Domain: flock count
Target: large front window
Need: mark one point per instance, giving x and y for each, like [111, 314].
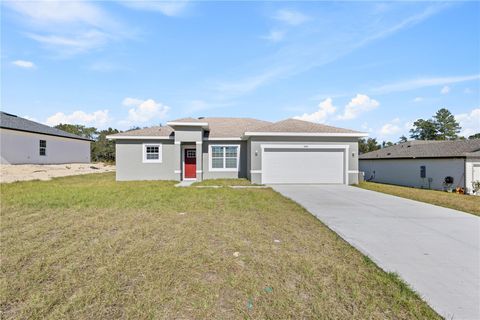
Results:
[224, 157]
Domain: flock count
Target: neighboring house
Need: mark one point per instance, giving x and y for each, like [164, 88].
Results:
[27, 142]
[425, 164]
[289, 151]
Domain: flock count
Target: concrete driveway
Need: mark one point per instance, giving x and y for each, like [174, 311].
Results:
[436, 250]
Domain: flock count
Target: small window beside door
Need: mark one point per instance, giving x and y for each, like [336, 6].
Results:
[43, 148]
[152, 153]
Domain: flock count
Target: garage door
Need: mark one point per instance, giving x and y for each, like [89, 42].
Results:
[293, 165]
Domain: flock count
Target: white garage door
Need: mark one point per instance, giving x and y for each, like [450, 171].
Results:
[292, 165]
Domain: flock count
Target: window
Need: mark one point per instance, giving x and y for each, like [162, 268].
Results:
[152, 153]
[43, 147]
[423, 172]
[224, 157]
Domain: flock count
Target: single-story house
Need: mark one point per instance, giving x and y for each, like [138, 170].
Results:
[27, 142]
[425, 164]
[289, 151]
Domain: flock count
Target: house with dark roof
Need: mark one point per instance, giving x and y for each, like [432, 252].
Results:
[436, 165]
[23, 141]
[289, 151]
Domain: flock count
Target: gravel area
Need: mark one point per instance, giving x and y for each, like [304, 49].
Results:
[23, 172]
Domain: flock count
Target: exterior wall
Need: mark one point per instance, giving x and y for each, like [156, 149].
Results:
[19, 147]
[255, 152]
[406, 172]
[242, 173]
[188, 134]
[472, 173]
[130, 165]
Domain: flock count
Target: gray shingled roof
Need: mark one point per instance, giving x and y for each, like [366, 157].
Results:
[425, 149]
[157, 131]
[231, 127]
[236, 127]
[295, 125]
[217, 127]
[13, 122]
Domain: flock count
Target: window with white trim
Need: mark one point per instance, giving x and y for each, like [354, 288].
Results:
[152, 153]
[43, 147]
[224, 157]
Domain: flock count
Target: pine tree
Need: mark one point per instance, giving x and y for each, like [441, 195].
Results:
[446, 127]
[423, 130]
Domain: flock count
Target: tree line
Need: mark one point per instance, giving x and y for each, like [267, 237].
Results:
[442, 126]
[102, 149]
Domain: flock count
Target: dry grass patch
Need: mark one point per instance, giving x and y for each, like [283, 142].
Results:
[466, 203]
[88, 247]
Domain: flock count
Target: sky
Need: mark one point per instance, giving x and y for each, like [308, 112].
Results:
[370, 66]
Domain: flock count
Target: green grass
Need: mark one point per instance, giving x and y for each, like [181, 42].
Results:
[224, 182]
[87, 247]
[466, 203]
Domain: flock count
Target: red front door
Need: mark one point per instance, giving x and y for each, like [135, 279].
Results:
[190, 163]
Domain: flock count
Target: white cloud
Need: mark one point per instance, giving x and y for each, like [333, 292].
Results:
[59, 12]
[333, 40]
[291, 17]
[325, 109]
[74, 43]
[144, 110]
[97, 119]
[445, 90]
[414, 84]
[418, 99]
[131, 102]
[168, 8]
[66, 27]
[470, 122]
[390, 128]
[275, 36]
[359, 104]
[248, 84]
[24, 64]
[468, 91]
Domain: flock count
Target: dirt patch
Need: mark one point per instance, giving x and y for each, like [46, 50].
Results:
[23, 172]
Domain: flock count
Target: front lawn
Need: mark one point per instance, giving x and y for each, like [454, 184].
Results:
[466, 203]
[88, 247]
